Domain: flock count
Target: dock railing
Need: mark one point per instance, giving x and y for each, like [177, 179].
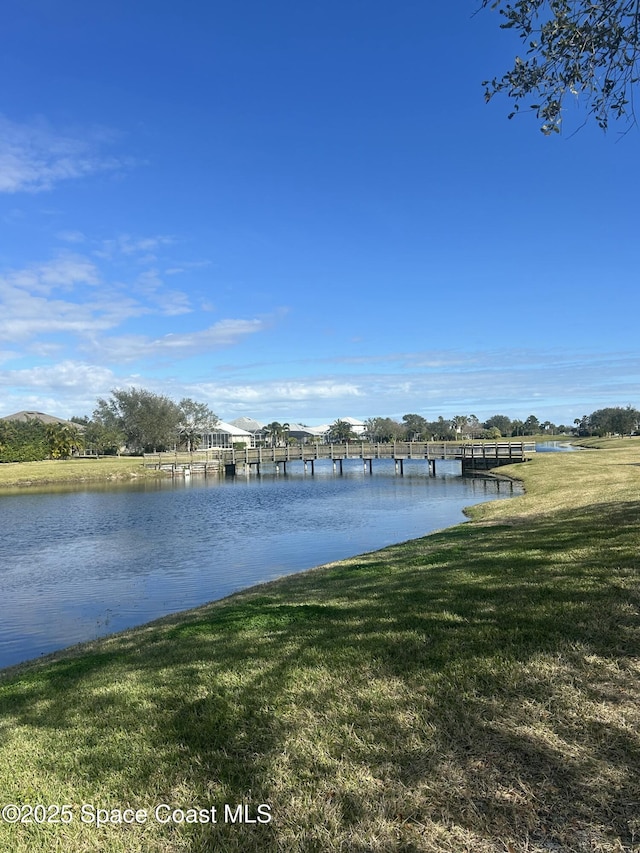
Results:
[515, 451]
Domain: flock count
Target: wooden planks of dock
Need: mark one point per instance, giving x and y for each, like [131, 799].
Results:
[473, 455]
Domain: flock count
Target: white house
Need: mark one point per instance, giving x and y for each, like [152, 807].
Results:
[250, 432]
[225, 435]
[357, 427]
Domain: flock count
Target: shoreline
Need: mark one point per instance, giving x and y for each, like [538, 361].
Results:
[472, 689]
[472, 513]
[18, 476]
[79, 470]
[80, 647]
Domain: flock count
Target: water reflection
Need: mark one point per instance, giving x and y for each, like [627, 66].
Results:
[555, 447]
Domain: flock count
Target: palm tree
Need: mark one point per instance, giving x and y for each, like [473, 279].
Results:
[473, 424]
[76, 436]
[273, 431]
[341, 431]
[459, 423]
[61, 440]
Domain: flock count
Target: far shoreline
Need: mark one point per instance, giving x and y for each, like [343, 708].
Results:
[18, 476]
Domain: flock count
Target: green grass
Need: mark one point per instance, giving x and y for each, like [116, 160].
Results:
[474, 690]
[61, 471]
[599, 443]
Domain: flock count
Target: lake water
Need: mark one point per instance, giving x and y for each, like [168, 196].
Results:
[556, 447]
[78, 564]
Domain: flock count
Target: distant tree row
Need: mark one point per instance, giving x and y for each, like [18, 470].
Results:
[138, 420]
[143, 421]
[32, 440]
[610, 421]
[417, 428]
[134, 419]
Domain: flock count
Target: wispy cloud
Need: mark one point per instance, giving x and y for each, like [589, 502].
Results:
[75, 305]
[286, 391]
[151, 287]
[72, 294]
[143, 249]
[64, 272]
[186, 266]
[8, 355]
[454, 383]
[68, 388]
[128, 253]
[72, 386]
[71, 236]
[35, 300]
[224, 333]
[64, 375]
[34, 156]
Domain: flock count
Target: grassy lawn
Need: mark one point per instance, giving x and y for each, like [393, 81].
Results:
[60, 471]
[594, 441]
[474, 690]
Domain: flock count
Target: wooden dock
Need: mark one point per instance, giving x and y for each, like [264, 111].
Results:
[474, 456]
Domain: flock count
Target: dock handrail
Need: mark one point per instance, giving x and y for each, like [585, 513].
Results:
[512, 450]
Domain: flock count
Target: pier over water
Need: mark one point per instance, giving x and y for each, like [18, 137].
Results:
[474, 456]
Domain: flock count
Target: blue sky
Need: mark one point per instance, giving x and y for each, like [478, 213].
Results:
[302, 211]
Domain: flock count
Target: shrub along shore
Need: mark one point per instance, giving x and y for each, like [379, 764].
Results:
[473, 690]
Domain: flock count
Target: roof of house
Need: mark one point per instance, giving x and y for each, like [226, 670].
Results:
[250, 424]
[319, 430]
[37, 416]
[301, 428]
[231, 429]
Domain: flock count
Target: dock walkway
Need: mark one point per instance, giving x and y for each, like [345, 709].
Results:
[474, 456]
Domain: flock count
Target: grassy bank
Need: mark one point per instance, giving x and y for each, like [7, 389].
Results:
[474, 690]
[600, 443]
[61, 471]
